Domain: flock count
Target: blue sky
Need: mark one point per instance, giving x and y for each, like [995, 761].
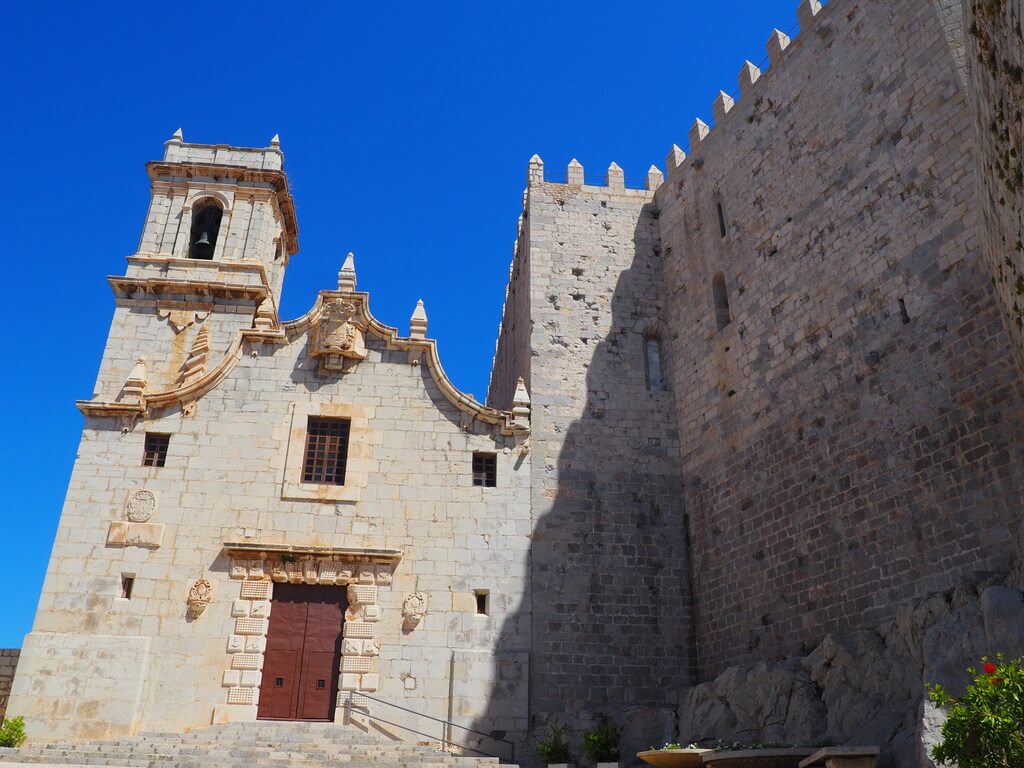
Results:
[406, 131]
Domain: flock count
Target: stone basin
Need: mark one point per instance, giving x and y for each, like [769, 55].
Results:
[785, 757]
[673, 758]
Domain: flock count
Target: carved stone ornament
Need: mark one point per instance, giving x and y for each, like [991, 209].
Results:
[180, 319]
[140, 505]
[414, 608]
[336, 335]
[199, 596]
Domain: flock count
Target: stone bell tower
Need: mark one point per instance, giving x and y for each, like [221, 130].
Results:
[211, 260]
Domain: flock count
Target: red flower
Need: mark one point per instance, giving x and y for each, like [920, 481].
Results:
[990, 668]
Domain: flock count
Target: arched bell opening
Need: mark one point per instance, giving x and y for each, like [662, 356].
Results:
[205, 228]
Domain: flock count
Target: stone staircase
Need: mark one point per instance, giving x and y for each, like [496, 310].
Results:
[260, 744]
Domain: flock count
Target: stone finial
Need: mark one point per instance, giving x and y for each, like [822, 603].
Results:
[535, 170]
[275, 141]
[806, 12]
[347, 273]
[195, 363]
[135, 385]
[615, 178]
[176, 138]
[777, 43]
[697, 132]
[675, 158]
[721, 106]
[654, 177]
[521, 403]
[749, 74]
[418, 322]
[574, 174]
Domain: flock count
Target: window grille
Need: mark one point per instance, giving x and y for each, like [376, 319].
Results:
[485, 469]
[326, 451]
[155, 450]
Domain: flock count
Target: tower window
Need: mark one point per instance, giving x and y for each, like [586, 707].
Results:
[482, 602]
[155, 451]
[485, 469]
[721, 217]
[326, 451]
[205, 228]
[721, 297]
[652, 363]
[127, 585]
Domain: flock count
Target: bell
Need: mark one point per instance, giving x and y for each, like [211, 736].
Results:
[201, 248]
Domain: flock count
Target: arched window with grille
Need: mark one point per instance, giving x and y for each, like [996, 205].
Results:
[652, 363]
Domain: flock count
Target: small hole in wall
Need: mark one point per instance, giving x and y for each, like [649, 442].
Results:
[903, 312]
[482, 603]
[721, 218]
[127, 585]
[604, 203]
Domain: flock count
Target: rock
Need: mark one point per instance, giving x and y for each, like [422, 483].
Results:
[643, 728]
[1002, 612]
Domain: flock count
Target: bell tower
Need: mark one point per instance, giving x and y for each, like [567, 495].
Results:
[211, 260]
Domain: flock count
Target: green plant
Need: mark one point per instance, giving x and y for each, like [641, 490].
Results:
[554, 748]
[739, 745]
[12, 732]
[985, 727]
[602, 741]
[674, 745]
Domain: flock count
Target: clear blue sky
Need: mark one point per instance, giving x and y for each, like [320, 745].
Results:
[406, 131]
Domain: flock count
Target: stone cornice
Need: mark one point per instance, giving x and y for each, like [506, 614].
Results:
[278, 549]
[127, 286]
[277, 180]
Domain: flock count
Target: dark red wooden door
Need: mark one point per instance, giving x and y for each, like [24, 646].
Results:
[300, 668]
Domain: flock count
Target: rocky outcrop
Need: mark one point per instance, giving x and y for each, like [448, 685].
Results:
[866, 686]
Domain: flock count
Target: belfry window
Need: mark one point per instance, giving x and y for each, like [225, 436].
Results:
[721, 297]
[205, 228]
[652, 363]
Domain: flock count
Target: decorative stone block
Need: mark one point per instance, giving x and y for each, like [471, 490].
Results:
[247, 661]
[235, 643]
[232, 677]
[242, 695]
[361, 593]
[278, 572]
[371, 613]
[255, 644]
[139, 505]
[240, 608]
[327, 572]
[256, 590]
[367, 574]
[369, 682]
[384, 575]
[250, 626]
[239, 568]
[251, 678]
[255, 569]
[294, 571]
[260, 609]
[358, 629]
[356, 663]
[371, 647]
[350, 681]
[309, 571]
[352, 647]
[124, 534]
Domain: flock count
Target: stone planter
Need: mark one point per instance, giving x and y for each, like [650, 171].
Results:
[561, 765]
[673, 758]
[787, 757]
[607, 765]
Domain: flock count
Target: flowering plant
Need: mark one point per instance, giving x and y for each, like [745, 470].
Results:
[985, 727]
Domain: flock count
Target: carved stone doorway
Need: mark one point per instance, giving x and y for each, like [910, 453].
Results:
[303, 655]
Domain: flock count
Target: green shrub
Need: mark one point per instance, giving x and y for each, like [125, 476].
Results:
[554, 748]
[602, 742]
[12, 732]
[985, 727]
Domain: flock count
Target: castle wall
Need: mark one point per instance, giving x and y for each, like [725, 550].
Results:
[97, 664]
[8, 663]
[851, 439]
[512, 352]
[995, 48]
[609, 566]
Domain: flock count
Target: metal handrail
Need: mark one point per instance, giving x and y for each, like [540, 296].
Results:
[445, 741]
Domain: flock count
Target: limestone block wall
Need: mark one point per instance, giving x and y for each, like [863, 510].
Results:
[98, 664]
[850, 439]
[609, 565]
[8, 663]
[512, 351]
[995, 46]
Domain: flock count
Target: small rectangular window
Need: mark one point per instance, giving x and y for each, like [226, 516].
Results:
[721, 218]
[485, 469]
[155, 451]
[652, 357]
[482, 607]
[127, 584]
[326, 451]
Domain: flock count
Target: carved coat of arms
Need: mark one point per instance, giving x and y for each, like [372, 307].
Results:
[336, 335]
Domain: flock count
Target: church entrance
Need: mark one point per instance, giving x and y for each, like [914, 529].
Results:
[303, 656]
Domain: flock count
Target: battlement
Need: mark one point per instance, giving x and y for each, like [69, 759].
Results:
[614, 179]
[177, 150]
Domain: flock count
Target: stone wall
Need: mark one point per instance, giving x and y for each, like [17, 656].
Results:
[8, 663]
[609, 566]
[995, 46]
[512, 351]
[851, 439]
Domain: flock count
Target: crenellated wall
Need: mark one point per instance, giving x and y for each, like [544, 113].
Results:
[851, 439]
